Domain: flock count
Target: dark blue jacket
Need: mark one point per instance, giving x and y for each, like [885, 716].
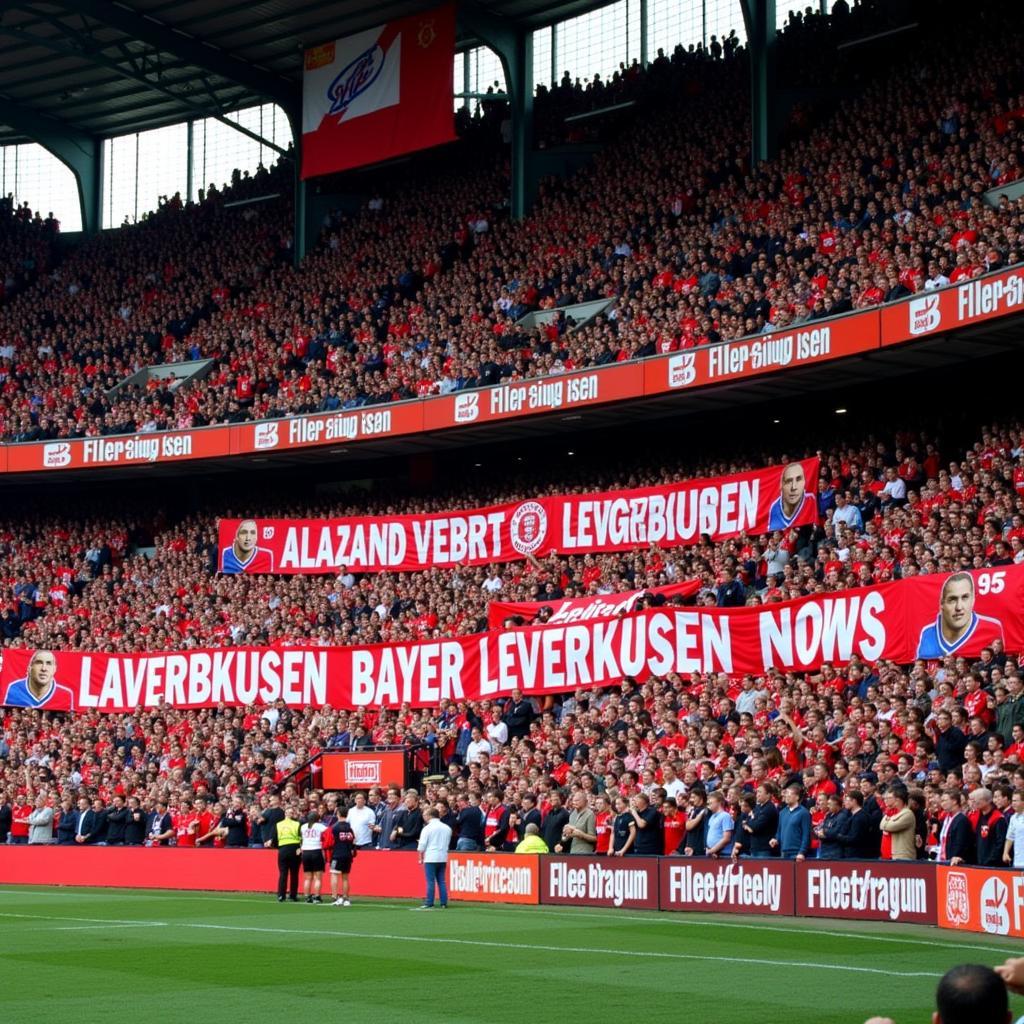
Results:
[857, 838]
[794, 831]
[764, 823]
[831, 828]
[67, 827]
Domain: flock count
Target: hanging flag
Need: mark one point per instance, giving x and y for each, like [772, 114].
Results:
[378, 94]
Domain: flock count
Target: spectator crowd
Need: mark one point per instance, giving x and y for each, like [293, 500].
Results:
[420, 291]
[856, 760]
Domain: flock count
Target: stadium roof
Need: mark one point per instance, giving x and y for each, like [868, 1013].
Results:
[107, 68]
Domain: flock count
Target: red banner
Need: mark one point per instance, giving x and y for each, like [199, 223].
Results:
[580, 609]
[867, 890]
[747, 887]
[924, 617]
[380, 93]
[748, 503]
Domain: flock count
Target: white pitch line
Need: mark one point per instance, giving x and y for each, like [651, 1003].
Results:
[100, 927]
[523, 946]
[98, 921]
[672, 918]
[667, 918]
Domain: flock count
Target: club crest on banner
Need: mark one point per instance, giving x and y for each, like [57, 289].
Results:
[528, 527]
[958, 908]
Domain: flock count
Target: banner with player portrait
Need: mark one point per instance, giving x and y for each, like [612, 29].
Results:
[580, 609]
[924, 617]
[755, 502]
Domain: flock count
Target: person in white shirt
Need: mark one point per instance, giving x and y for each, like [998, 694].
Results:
[673, 785]
[478, 745]
[497, 731]
[895, 489]
[1013, 848]
[432, 848]
[362, 819]
[312, 848]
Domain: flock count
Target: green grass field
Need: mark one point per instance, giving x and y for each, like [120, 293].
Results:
[110, 955]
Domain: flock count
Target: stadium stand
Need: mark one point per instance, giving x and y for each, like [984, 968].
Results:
[82, 583]
[419, 293]
[878, 199]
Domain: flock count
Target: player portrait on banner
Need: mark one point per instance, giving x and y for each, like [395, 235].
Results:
[244, 555]
[957, 622]
[789, 506]
[39, 688]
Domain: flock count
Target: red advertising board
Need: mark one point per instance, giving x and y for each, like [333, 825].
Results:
[765, 353]
[123, 450]
[334, 429]
[629, 883]
[981, 900]
[867, 890]
[359, 770]
[724, 887]
[559, 393]
[392, 874]
[965, 303]
[494, 877]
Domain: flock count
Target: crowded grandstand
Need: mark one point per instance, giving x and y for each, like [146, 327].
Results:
[893, 182]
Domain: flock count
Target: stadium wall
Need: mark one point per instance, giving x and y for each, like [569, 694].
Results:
[962, 899]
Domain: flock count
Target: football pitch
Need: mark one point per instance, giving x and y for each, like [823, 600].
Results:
[109, 955]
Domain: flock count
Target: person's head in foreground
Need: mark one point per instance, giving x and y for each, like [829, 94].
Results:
[971, 994]
[974, 994]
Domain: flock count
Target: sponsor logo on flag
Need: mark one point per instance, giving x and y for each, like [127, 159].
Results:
[355, 79]
[319, 56]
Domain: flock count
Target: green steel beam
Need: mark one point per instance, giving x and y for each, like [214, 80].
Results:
[166, 39]
[132, 67]
[759, 17]
[77, 150]
[514, 48]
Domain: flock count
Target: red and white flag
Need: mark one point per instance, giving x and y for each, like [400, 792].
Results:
[379, 93]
